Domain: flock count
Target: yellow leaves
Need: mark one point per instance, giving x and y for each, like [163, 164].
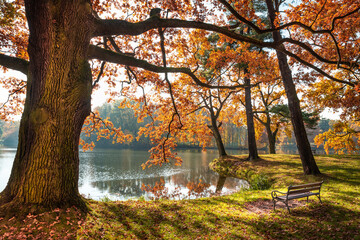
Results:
[343, 137]
[288, 132]
[321, 15]
[14, 103]
[158, 191]
[13, 29]
[102, 128]
[162, 153]
[326, 93]
[86, 146]
[197, 188]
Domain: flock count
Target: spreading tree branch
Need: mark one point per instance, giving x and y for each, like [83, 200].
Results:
[14, 63]
[119, 58]
[286, 25]
[122, 27]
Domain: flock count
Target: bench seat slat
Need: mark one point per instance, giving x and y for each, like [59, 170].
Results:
[295, 196]
[297, 191]
[303, 190]
[305, 185]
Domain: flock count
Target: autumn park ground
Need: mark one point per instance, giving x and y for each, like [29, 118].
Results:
[247, 214]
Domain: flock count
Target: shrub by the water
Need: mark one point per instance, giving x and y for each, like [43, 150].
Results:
[259, 182]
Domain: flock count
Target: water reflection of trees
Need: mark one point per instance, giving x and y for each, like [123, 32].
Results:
[132, 187]
[118, 172]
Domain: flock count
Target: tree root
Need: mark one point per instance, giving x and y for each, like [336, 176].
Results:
[17, 208]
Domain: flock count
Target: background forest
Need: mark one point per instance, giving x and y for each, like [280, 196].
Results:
[234, 137]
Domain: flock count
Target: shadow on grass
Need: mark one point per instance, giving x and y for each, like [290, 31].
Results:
[343, 175]
[318, 221]
[222, 218]
[153, 223]
[237, 216]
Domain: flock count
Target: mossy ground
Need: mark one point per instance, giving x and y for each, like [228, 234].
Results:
[243, 215]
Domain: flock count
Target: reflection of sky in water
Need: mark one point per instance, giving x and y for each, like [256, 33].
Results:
[117, 174]
[6, 159]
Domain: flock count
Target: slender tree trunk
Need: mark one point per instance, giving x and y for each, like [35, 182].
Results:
[220, 184]
[271, 139]
[218, 139]
[253, 154]
[46, 167]
[303, 145]
[221, 150]
[271, 135]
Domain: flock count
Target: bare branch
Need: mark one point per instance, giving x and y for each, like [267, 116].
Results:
[195, 110]
[284, 26]
[14, 63]
[11, 94]
[238, 16]
[162, 46]
[100, 74]
[257, 118]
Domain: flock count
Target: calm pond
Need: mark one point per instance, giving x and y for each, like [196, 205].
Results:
[117, 174]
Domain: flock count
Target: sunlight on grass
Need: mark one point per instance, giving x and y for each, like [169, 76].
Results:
[246, 214]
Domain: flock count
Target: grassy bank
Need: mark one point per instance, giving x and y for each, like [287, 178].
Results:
[244, 215]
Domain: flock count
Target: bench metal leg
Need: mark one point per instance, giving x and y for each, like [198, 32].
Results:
[274, 202]
[319, 198]
[287, 205]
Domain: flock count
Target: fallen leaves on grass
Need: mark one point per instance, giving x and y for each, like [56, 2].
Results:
[55, 224]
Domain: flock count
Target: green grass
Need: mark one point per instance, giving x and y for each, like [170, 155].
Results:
[243, 215]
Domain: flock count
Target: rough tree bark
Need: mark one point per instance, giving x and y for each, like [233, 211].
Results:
[253, 153]
[46, 167]
[303, 145]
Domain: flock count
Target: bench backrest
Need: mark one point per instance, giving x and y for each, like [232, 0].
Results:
[297, 189]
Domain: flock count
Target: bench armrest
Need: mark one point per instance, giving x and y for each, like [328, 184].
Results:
[274, 193]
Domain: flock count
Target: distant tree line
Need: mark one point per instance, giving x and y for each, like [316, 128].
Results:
[124, 118]
[234, 137]
[9, 133]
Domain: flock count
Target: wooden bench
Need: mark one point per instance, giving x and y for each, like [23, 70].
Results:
[297, 191]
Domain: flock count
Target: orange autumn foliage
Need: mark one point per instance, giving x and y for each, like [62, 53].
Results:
[329, 28]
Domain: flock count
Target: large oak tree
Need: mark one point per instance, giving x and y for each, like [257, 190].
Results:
[59, 78]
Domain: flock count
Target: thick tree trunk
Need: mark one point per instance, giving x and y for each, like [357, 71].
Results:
[303, 145]
[253, 153]
[46, 167]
